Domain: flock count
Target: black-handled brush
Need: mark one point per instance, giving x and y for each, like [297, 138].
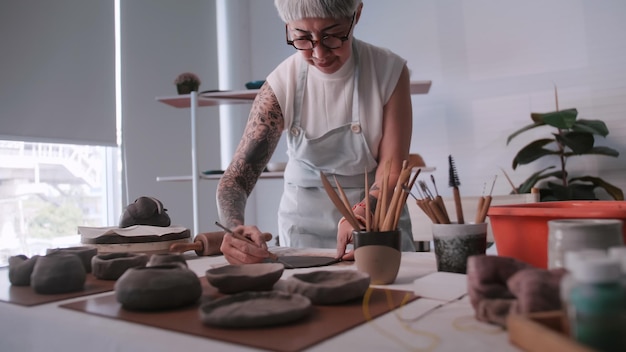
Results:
[455, 183]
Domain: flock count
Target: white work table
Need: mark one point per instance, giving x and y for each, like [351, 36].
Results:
[451, 327]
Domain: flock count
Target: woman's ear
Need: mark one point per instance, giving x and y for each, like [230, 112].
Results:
[358, 13]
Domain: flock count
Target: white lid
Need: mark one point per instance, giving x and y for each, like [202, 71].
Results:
[619, 254]
[597, 270]
[572, 257]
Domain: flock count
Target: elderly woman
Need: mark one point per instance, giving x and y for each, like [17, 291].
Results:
[345, 107]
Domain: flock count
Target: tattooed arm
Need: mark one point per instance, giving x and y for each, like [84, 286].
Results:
[259, 140]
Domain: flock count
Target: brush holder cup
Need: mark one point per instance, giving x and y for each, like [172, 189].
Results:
[455, 243]
[378, 254]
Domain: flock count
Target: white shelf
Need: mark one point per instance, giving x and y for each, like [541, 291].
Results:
[187, 178]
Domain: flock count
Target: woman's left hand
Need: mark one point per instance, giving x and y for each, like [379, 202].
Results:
[344, 237]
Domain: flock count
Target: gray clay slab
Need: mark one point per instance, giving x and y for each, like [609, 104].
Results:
[327, 287]
[255, 309]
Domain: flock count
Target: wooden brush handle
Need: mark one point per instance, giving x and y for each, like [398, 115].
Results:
[458, 206]
[479, 210]
[484, 209]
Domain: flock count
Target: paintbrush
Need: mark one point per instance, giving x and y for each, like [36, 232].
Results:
[455, 183]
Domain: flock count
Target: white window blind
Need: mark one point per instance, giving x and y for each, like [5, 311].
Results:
[57, 71]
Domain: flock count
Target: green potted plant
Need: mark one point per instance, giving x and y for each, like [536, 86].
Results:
[573, 137]
[187, 82]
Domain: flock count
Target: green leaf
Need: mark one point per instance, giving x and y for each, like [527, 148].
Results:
[532, 152]
[523, 129]
[604, 151]
[592, 126]
[537, 117]
[612, 190]
[563, 119]
[578, 142]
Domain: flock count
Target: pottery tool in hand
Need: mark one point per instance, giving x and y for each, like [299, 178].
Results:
[239, 236]
[455, 183]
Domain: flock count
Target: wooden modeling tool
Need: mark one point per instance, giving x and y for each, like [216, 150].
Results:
[455, 183]
[239, 236]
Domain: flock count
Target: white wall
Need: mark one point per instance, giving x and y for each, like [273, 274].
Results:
[492, 63]
[161, 39]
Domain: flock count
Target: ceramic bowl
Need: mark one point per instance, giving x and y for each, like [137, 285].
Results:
[276, 166]
[249, 277]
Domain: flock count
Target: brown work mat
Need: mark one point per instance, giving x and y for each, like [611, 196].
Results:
[26, 296]
[324, 322]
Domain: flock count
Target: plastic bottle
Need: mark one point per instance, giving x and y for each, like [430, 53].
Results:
[570, 260]
[597, 306]
[619, 254]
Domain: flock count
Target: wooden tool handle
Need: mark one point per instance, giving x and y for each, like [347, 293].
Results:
[184, 247]
[457, 204]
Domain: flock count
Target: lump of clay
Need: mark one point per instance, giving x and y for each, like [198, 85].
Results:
[327, 287]
[58, 273]
[84, 253]
[145, 211]
[167, 258]
[112, 265]
[20, 269]
[157, 288]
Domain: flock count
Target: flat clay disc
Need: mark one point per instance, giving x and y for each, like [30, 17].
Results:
[304, 261]
[255, 309]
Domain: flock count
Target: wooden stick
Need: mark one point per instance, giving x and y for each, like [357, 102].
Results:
[395, 199]
[347, 213]
[344, 198]
[479, 210]
[368, 212]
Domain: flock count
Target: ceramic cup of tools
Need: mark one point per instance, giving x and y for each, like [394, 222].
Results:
[454, 243]
[567, 235]
[378, 254]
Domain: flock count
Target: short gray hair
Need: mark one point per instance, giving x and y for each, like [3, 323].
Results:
[293, 10]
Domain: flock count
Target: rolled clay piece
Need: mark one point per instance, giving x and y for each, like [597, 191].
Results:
[112, 265]
[20, 269]
[167, 258]
[58, 273]
[157, 288]
[84, 253]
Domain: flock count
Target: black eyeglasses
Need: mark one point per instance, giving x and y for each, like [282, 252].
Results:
[327, 41]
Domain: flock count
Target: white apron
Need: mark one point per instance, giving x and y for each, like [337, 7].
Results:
[306, 215]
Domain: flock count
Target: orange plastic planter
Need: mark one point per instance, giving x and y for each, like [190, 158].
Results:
[521, 231]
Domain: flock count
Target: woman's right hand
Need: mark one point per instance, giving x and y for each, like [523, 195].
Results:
[249, 251]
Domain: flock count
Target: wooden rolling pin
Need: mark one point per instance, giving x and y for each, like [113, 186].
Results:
[206, 243]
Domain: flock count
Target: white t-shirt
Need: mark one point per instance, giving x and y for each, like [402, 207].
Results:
[328, 97]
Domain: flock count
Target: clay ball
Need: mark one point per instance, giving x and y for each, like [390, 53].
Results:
[58, 273]
[111, 266]
[145, 211]
[84, 253]
[157, 288]
[20, 269]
